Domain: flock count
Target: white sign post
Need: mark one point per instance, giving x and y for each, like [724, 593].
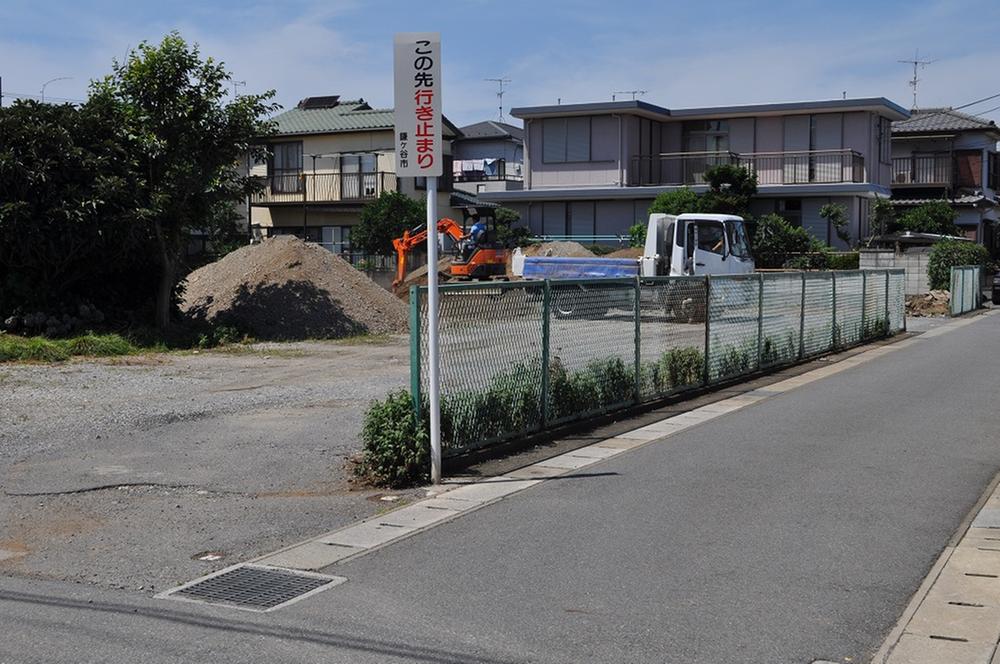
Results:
[418, 154]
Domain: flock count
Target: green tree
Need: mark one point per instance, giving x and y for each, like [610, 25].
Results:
[952, 253]
[836, 215]
[883, 216]
[934, 217]
[637, 234]
[186, 143]
[508, 233]
[675, 202]
[66, 195]
[730, 190]
[384, 219]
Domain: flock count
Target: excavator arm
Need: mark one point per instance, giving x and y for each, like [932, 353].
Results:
[403, 245]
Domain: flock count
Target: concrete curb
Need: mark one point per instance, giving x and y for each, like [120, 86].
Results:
[455, 498]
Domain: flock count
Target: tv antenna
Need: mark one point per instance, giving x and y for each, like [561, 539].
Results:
[634, 94]
[916, 62]
[500, 83]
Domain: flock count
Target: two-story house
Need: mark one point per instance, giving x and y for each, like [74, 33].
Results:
[940, 153]
[329, 157]
[592, 170]
[489, 156]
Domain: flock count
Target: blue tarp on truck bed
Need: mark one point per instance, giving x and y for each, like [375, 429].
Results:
[553, 267]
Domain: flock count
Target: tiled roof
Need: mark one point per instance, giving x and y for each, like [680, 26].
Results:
[352, 115]
[971, 199]
[941, 119]
[463, 199]
[492, 129]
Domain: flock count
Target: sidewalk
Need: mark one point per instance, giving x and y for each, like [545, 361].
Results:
[954, 617]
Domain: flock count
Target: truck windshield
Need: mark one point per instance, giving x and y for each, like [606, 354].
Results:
[739, 245]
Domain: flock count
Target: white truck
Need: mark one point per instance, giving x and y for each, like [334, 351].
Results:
[690, 244]
[684, 245]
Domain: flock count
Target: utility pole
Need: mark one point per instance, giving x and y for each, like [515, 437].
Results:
[916, 62]
[500, 83]
[634, 93]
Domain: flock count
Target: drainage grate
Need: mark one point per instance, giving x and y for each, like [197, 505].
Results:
[254, 588]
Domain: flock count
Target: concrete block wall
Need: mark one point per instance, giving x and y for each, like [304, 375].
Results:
[914, 261]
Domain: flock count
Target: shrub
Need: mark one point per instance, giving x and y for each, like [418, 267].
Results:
[684, 366]
[934, 217]
[848, 261]
[637, 235]
[675, 202]
[776, 238]
[396, 449]
[511, 403]
[99, 345]
[949, 253]
[734, 361]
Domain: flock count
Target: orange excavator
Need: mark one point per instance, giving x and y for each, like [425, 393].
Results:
[477, 256]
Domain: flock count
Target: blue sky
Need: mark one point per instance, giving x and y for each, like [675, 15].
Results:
[682, 53]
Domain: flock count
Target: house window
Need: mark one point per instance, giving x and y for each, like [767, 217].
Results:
[565, 140]
[706, 135]
[285, 167]
[790, 209]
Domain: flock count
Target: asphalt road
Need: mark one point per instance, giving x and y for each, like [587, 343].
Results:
[792, 530]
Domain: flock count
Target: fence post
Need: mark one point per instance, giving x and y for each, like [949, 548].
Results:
[708, 316]
[864, 303]
[638, 341]
[802, 320]
[546, 305]
[833, 295]
[760, 320]
[888, 319]
[415, 349]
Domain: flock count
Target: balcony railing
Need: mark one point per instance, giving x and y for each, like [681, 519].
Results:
[927, 169]
[805, 166]
[479, 176]
[324, 187]
[676, 168]
[792, 167]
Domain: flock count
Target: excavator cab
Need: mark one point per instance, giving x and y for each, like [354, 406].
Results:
[479, 256]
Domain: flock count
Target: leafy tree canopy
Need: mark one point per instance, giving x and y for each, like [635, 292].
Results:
[384, 219]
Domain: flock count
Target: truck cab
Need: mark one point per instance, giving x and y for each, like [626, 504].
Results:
[696, 244]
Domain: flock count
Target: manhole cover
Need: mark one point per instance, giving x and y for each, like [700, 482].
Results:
[254, 588]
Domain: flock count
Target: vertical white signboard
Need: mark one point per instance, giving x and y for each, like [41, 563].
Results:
[418, 104]
[417, 60]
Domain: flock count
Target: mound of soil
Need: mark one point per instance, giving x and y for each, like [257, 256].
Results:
[563, 249]
[934, 303]
[627, 252]
[284, 288]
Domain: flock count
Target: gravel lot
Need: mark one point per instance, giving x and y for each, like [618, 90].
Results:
[119, 472]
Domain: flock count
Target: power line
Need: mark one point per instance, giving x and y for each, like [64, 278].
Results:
[18, 95]
[978, 101]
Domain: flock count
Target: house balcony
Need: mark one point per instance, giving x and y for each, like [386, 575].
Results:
[301, 188]
[926, 170]
[771, 168]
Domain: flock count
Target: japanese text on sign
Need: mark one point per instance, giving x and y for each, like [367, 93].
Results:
[418, 104]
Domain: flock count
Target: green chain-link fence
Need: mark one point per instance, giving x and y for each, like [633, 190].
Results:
[966, 289]
[519, 357]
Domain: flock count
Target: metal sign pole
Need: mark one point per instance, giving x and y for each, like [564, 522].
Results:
[433, 385]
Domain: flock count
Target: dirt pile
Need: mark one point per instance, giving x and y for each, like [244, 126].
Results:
[563, 249]
[627, 252]
[934, 303]
[285, 288]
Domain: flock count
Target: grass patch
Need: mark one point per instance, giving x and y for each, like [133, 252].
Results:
[14, 348]
[365, 339]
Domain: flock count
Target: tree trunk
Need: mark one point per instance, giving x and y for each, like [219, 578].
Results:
[165, 289]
